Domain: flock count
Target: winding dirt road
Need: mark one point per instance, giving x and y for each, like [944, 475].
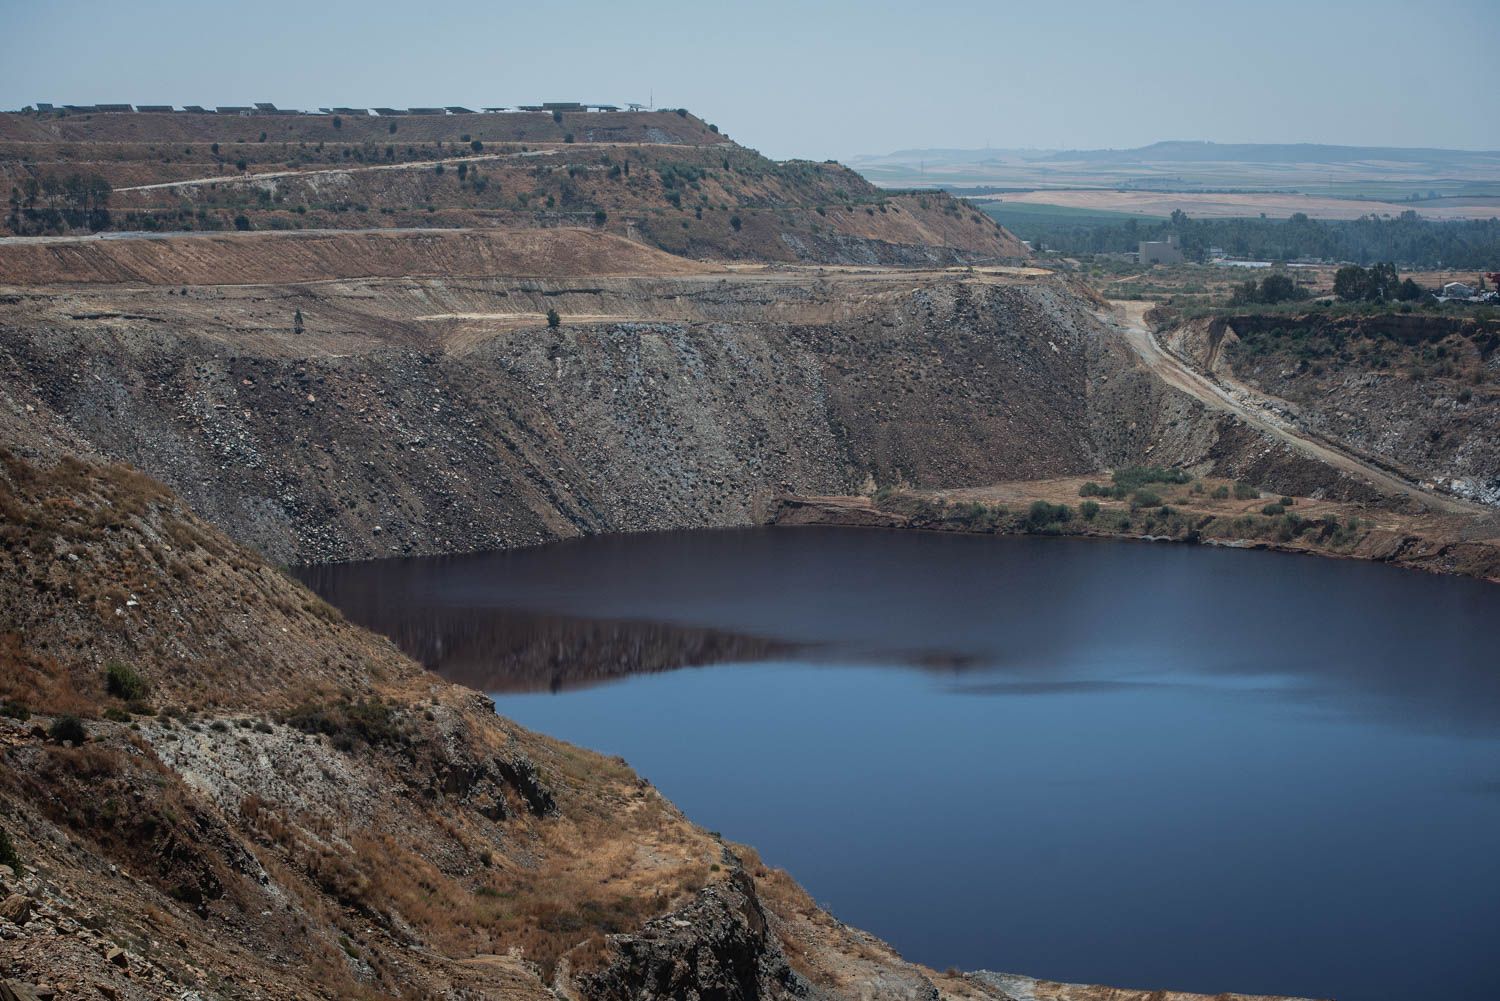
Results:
[1130, 318]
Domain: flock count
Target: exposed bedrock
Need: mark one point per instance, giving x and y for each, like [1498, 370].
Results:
[416, 416]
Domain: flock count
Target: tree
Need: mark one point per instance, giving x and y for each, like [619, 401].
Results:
[477, 146]
[1408, 291]
[241, 222]
[557, 117]
[600, 216]
[297, 322]
[1383, 281]
[338, 122]
[734, 222]
[1373, 284]
[1352, 283]
[553, 320]
[1278, 288]
[1245, 293]
[393, 127]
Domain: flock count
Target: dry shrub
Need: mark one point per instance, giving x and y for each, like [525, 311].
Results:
[38, 681]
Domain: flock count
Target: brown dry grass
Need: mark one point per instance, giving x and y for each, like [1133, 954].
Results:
[281, 258]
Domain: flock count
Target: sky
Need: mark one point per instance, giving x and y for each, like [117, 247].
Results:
[809, 79]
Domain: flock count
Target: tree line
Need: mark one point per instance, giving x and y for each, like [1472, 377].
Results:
[1351, 283]
[59, 204]
[1407, 239]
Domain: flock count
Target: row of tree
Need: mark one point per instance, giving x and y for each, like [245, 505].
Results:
[1268, 291]
[59, 204]
[1352, 283]
[1379, 283]
[1407, 239]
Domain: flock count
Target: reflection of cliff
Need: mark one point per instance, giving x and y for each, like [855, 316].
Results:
[506, 651]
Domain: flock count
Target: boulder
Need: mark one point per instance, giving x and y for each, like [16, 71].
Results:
[16, 909]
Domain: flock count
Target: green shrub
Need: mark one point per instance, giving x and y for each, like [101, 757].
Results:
[1133, 477]
[1144, 498]
[1273, 510]
[68, 729]
[1221, 492]
[1089, 510]
[1244, 491]
[1092, 489]
[1041, 515]
[553, 319]
[8, 854]
[344, 723]
[15, 710]
[116, 715]
[124, 682]
[1287, 501]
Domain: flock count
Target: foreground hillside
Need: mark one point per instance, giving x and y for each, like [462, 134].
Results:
[664, 178]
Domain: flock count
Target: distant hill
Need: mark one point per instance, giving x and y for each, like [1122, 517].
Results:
[1383, 174]
[664, 178]
[1180, 151]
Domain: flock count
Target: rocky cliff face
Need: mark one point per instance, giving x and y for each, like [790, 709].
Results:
[418, 417]
[415, 416]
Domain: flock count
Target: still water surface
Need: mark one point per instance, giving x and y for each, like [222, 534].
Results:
[1152, 766]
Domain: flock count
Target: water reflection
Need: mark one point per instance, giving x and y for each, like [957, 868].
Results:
[998, 617]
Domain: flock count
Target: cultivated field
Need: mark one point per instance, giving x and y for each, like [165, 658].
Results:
[1202, 205]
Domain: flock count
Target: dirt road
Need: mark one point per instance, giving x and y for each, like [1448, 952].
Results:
[1240, 400]
[271, 175]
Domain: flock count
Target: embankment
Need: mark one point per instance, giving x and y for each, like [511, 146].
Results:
[1417, 393]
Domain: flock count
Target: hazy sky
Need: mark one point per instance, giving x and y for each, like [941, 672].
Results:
[809, 79]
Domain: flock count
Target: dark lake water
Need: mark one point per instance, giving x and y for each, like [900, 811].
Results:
[1143, 765]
